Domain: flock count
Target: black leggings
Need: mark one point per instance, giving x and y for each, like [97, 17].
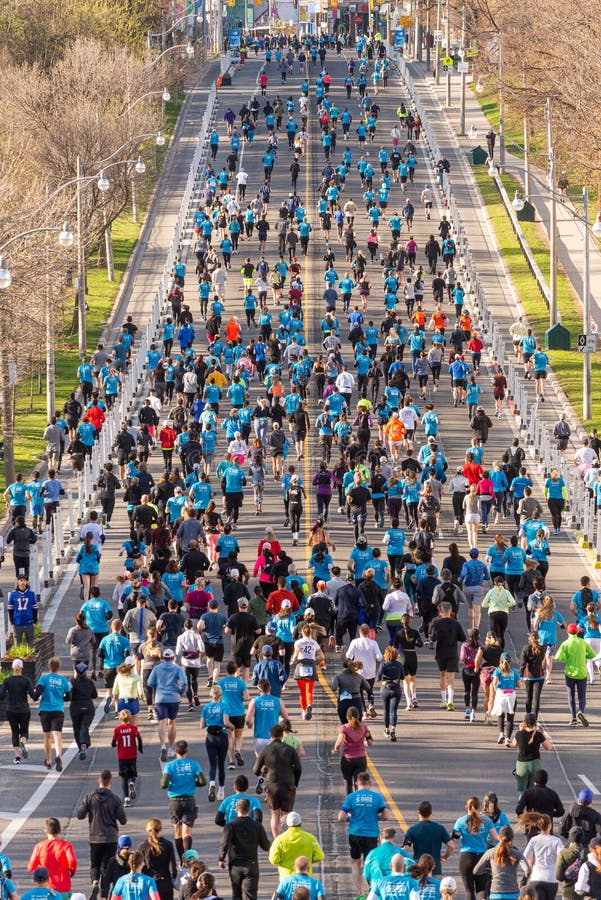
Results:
[498, 625]
[295, 516]
[350, 768]
[148, 691]
[192, 687]
[81, 720]
[471, 685]
[505, 722]
[556, 508]
[533, 692]
[544, 890]
[473, 884]
[108, 505]
[391, 696]
[19, 726]
[217, 745]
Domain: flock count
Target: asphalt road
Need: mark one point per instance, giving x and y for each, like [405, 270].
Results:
[438, 756]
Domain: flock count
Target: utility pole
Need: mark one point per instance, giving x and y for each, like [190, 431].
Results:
[463, 76]
[553, 224]
[437, 44]
[587, 388]
[50, 336]
[448, 52]
[526, 144]
[428, 34]
[501, 108]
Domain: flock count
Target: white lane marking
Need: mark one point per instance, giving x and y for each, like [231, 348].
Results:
[25, 766]
[589, 784]
[59, 595]
[43, 789]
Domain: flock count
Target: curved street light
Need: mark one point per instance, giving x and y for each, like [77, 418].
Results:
[65, 239]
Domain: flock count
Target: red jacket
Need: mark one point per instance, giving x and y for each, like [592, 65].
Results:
[59, 858]
[96, 416]
[167, 438]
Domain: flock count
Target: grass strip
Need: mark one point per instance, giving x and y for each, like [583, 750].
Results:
[567, 365]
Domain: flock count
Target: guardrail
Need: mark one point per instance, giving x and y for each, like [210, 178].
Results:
[57, 539]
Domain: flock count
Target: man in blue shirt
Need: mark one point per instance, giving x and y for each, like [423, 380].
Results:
[212, 624]
[112, 650]
[363, 809]
[181, 776]
[397, 885]
[227, 808]
[52, 690]
[169, 682]
[300, 878]
[540, 361]
[271, 669]
[23, 611]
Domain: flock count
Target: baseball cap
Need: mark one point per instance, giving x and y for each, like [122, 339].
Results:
[448, 884]
[474, 552]
[267, 650]
[505, 656]
[234, 573]
[17, 664]
[168, 653]
[572, 628]
[124, 841]
[585, 796]
[41, 874]
[189, 855]
[266, 546]
[130, 660]
[383, 459]
[596, 842]
[293, 820]
[286, 604]
[321, 583]
[242, 601]
[309, 611]
[166, 423]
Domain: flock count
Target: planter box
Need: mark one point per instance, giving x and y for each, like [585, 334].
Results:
[37, 664]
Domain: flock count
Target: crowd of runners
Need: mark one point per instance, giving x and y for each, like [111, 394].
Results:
[245, 403]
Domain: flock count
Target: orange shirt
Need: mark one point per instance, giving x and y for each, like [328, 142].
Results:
[419, 317]
[394, 430]
[232, 331]
[439, 319]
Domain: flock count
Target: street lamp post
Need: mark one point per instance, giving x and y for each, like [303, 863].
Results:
[587, 388]
[437, 44]
[553, 224]
[501, 107]
[462, 56]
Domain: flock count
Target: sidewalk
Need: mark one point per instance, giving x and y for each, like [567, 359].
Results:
[570, 230]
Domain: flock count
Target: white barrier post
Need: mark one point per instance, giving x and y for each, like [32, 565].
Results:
[70, 512]
[59, 549]
[34, 570]
[87, 487]
[46, 558]
[2, 630]
[80, 498]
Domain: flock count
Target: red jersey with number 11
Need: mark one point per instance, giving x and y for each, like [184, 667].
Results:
[126, 739]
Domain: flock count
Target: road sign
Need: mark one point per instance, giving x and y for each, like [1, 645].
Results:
[448, 61]
[399, 37]
[463, 68]
[438, 37]
[406, 21]
[234, 37]
[587, 343]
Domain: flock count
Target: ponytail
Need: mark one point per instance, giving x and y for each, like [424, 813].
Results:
[503, 855]
[154, 827]
[474, 819]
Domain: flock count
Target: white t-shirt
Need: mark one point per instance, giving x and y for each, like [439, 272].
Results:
[544, 848]
[396, 604]
[366, 651]
[408, 417]
[306, 648]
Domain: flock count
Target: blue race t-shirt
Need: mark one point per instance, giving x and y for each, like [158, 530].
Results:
[53, 687]
[182, 776]
[473, 842]
[364, 807]
[233, 689]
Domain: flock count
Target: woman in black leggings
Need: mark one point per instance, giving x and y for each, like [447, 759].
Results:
[474, 830]
[214, 718]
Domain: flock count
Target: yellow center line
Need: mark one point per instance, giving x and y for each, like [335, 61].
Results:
[382, 787]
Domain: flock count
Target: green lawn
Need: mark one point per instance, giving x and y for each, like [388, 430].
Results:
[31, 392]
[567, 365]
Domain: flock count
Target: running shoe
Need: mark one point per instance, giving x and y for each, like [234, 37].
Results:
[582, 719]
[238, 756]
[414, 703]
[443, 704]
[372, 711]
[450, 706]
[508, 742]
[131, 786]
[387, 732]
[212, 793]
[83, 752]
[472, 717]
[467, 714]
[190, 707]
[309, 713]
[501, 738]
[220, 793]
[48, 762]
[95, 891]
[58, 763]
[260, 785]
[196, 700]
[231, 765]
[393, 735]
[126, 802]
[171, 753]
[163, 756]
[17, 761]
[573, 723]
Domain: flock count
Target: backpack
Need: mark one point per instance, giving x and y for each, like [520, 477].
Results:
[295, 495]
[323, 478]
[570, 876]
